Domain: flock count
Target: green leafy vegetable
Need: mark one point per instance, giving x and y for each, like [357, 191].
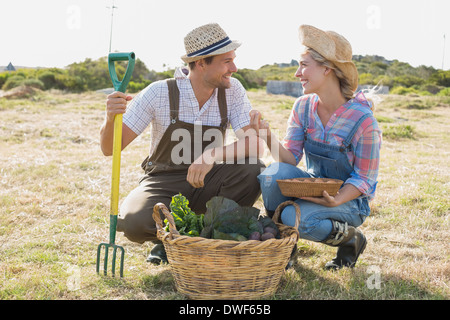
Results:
[226, 220]
[187, 222]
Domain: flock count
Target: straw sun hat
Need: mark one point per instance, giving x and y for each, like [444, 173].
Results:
[205, 41]
[333, 47]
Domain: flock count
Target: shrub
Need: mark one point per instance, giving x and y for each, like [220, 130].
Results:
[34, 83]
[441, 78]
[366, 78]
[407, 81]
[48, 79]
[401, 131]
[405, 91]
[3, 77]
[13, 81]
[444, 92]
[134, 87]
[241, 80]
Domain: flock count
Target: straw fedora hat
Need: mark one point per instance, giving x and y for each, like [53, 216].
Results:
[333, 47]
[207, 40]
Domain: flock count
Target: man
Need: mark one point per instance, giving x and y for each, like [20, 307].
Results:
[189, 116]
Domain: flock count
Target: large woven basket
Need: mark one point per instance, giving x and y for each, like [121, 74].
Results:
[224, 269]
[309, 187]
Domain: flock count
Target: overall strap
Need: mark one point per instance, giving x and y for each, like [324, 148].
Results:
[306, 119]
[222, 100]
[174, 99]
[346, 144]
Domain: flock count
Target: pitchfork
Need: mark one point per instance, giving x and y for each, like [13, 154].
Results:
[117, 148]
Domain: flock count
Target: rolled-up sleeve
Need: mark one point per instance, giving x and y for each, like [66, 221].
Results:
[366, 161]
[294, 138]
[240, 105]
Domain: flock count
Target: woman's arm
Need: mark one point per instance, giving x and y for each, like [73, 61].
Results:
[348, 192]
[262, 129]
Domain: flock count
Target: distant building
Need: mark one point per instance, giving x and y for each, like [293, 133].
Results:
[289, 88]
[10, 67]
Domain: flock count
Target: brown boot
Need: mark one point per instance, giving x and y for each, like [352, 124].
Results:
[350, 241]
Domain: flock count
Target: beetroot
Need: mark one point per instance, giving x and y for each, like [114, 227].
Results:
[255, 236]
[267, 236]
[271, 230]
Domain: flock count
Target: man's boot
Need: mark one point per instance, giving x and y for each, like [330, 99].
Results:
[157, 255]
[350, 241]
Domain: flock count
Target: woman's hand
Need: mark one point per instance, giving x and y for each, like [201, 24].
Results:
[260, 125]
[346, 193]
[326, 200]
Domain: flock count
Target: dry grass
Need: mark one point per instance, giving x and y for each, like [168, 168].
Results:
[54, 201]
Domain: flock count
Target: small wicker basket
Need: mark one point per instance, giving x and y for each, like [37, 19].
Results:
[309, 187]
[224, 269]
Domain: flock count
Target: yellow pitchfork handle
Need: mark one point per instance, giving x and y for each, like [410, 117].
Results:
[117, 148]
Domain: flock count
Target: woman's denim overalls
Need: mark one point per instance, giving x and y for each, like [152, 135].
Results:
[322, 161]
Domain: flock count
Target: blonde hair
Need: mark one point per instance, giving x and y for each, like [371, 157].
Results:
[346, 90]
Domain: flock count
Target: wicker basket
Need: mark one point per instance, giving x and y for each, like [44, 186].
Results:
[224, 269]
[309, 187]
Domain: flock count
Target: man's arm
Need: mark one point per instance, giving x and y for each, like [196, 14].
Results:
[116, 103]
[247, 145]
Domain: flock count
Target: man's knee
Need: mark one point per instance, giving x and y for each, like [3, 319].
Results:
[136, 220]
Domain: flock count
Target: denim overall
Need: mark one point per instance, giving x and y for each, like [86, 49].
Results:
[322, 161]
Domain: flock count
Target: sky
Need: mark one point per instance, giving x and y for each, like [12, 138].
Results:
[56, 33]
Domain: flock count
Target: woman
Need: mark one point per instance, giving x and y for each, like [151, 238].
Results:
[340, 138]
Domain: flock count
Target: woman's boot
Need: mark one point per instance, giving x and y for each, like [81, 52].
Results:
[350, 241]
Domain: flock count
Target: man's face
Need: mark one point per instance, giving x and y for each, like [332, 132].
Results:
[218, 73]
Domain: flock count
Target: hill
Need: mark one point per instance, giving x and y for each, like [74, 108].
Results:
[91, 75]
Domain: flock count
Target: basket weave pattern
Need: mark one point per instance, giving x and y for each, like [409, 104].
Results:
[309, 187]
[224, 269]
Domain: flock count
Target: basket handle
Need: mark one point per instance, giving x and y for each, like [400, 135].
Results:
[277, 214]
[157, 217]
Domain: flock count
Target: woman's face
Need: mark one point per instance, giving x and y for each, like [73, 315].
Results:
[310, 73]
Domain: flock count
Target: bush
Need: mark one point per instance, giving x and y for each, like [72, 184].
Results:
[241, 80]
[444, 92]
[407, 81]
[13, 81]
[401, 131]
[48, 78]
[441, 78]
[134, 87]
[34, 83]
[3, 77]
[366, 78]
[405, 91]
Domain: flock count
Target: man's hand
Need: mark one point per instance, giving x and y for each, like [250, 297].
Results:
[199, 169]
[116, 103]
[258, 124]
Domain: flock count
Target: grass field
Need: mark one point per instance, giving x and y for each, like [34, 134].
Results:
[55, 189]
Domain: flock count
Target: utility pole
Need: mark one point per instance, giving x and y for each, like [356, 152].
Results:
[443, 54]
[112, 16]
